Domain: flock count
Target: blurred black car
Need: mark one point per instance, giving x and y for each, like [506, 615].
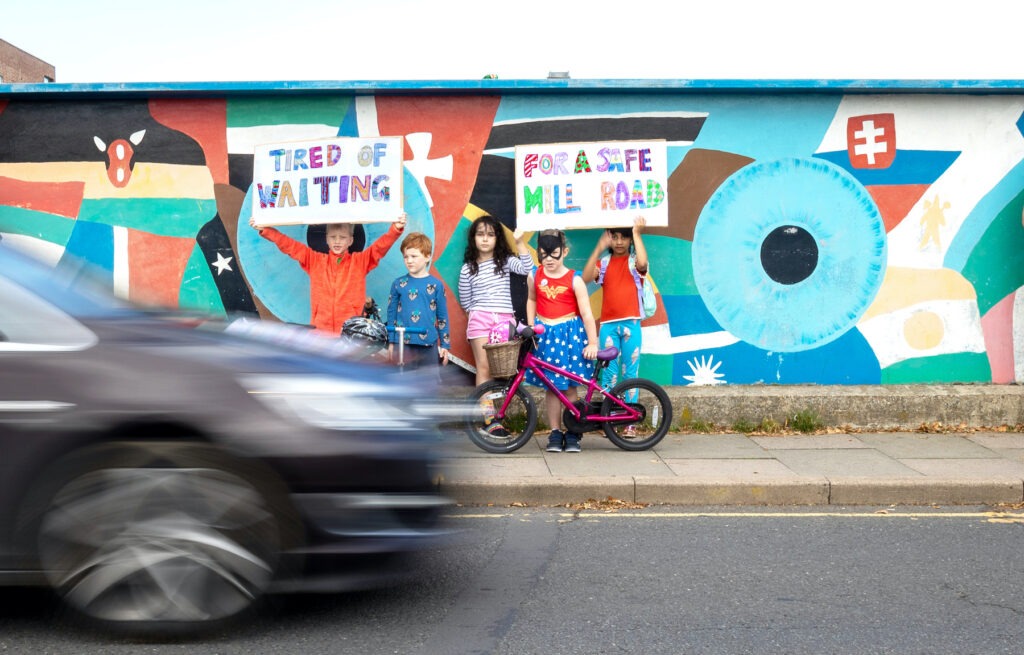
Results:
[159, 471]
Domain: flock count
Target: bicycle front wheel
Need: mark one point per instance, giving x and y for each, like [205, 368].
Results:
[655, 414]
[508, 433]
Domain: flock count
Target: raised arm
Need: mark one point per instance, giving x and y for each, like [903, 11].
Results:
[638, 244]
[384, 242]
[523, 265]
[590, 269]
[300, 252]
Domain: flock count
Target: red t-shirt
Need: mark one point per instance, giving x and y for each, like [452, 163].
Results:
[555, 295]
[619, 298]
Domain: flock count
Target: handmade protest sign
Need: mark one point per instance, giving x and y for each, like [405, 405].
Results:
[337, 180]
[599, 184]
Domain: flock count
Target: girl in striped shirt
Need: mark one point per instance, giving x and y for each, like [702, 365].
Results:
[484, 290]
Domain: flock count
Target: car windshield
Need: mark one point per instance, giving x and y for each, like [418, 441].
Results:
[71, 286]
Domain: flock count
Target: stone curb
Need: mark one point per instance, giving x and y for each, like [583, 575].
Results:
[906, 406]
[779, 491]
[868, 491]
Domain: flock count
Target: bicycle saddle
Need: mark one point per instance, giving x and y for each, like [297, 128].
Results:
[608, 354]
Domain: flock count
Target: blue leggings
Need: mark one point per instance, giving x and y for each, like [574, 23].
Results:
[624, 335]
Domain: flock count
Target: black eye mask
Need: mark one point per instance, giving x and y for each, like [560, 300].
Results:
[549, 243]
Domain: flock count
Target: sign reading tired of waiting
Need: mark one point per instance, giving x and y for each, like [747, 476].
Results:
[336, 180]
[600, 184]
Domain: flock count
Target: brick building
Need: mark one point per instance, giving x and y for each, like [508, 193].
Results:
[16, 65]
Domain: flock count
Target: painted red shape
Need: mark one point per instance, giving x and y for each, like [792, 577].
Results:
[60, 198]
[459, 127]
[156, 266]
[894, 201]
[871, 140]
[119, 162]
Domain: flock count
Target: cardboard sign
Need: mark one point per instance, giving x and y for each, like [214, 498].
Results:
[341, 180]
[600, 184]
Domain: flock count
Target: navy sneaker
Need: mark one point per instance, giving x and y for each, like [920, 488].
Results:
[556, 442]
[572, 442]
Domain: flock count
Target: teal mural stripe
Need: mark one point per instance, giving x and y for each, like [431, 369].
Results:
[671, 265]
[1006, 192]
[55, 229]
[657, 367]
[252, 112]
[198, 288]
[788, 126]
[169, 217]
[957, 367]
[996, 264]
[532, 107]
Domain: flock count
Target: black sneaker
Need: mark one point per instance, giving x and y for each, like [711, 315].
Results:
[556, 442]
[572, 442]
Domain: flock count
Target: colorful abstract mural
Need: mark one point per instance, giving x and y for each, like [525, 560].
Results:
[825, 238]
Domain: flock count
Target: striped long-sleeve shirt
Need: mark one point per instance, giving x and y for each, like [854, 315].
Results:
[487, 291]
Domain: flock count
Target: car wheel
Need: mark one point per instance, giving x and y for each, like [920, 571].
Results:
[169, 535]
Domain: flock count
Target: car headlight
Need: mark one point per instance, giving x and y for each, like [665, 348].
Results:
[335, 403]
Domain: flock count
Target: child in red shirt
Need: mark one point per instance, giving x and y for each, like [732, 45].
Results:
[337, 279]
[621, 312]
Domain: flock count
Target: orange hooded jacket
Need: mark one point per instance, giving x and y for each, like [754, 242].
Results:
[337, 285]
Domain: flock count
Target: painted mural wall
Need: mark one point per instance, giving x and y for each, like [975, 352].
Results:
[813, 237]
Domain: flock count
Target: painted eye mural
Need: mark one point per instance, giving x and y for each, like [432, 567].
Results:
[788, 254]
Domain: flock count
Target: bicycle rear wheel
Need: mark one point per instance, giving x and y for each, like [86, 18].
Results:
[654, 406]
[509, 433]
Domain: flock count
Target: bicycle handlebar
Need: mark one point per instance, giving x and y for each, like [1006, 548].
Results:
[527, 331]
[407, 330]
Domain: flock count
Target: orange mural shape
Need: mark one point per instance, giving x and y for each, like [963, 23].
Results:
[156, 265]
[895, 201]
[59, 198]
[458, 128]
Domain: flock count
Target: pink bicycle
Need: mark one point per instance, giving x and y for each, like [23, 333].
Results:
[635, 414]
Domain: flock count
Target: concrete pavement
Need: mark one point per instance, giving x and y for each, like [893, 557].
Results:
[870, 468]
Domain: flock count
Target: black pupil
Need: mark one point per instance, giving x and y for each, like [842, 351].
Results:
[789, 254]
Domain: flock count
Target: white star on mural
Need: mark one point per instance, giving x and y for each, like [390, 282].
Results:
[222, 263]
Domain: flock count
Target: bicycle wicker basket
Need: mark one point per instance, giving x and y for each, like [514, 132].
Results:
[503, 358]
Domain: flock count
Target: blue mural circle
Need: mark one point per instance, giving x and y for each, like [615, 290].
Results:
[281, 284]
[769, 207]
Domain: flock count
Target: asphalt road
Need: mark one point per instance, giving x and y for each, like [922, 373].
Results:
[658, 580]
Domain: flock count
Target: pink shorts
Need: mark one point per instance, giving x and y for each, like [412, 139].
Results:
[482, 324]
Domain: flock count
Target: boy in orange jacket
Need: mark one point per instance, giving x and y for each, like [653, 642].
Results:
[337, 279]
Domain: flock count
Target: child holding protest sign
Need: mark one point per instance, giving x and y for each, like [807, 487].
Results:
[484, 290]
[619, 264]
[559, 300]
[337, 279]
[418, 304]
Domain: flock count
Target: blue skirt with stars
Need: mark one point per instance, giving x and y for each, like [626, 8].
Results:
[562, 345]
